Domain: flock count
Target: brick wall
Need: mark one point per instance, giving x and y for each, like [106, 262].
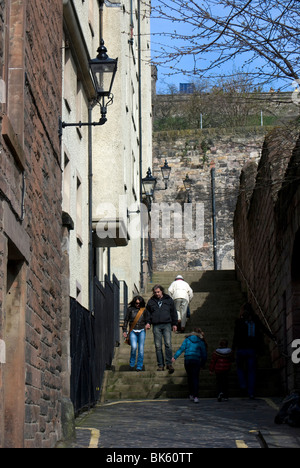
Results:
[266, 232]
[30, 206]
[43, 324]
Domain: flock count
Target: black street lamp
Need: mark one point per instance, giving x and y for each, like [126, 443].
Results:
[149, 183]
[187, 182]
[103, 70]
[166, 170]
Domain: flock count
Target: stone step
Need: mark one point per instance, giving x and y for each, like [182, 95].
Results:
[150, 364]
[214, 308]
[198, 280]
[165, 386]
[196, 276]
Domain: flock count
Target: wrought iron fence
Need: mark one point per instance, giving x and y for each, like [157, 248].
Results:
[93, 339]
[81, 356]
[123, 300]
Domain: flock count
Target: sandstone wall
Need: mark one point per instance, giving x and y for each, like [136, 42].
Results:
[192, 153]
[267, 243]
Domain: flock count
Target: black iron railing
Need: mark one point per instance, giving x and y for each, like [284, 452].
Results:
[94, 336]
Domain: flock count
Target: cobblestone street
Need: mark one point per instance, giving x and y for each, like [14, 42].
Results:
[183, 426]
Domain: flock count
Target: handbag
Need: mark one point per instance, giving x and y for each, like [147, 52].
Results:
[137, 317]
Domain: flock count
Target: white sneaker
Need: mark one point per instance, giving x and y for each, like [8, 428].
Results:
[196, 400]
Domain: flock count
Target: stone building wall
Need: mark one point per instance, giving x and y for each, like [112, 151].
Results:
[30, 224]
[267, 243]
[193, 153]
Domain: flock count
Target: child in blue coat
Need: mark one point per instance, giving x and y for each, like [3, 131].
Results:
[195, 356]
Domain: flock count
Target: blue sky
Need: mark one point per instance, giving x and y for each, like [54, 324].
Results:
[168, 77]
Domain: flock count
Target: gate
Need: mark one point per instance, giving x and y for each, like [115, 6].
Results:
[82, 380]
[93, 339]
[106, 330]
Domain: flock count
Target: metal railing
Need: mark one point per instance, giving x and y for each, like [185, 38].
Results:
[93, 339]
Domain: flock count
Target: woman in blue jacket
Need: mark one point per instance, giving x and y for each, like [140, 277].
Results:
[195, 356]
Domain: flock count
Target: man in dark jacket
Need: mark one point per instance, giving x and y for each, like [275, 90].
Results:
[248, 343]
[162, 315]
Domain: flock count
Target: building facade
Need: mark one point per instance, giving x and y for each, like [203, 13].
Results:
[123, 149]
[81, 39]
[108, 167]
[30, 224]
[52, 181]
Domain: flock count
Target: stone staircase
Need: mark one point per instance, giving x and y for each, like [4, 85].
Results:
[214, 308]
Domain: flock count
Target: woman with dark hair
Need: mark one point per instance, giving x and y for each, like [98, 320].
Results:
[136, 318]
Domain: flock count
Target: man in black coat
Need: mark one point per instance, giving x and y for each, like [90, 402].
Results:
[162, 315]
[248, 343]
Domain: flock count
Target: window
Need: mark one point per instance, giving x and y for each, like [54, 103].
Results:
[78, 292]
[79, 106]
[12, 81]
[67, 79]
[66, 184]
[79, 212]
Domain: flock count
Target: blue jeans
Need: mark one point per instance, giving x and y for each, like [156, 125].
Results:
[246, 369]
[160, 331]
[137, 340]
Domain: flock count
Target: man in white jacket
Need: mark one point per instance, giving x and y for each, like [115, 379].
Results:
[182, 294]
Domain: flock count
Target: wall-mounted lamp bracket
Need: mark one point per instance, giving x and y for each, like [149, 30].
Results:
[132, 212]
[62, 125]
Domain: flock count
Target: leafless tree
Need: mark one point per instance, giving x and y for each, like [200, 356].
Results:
[230, 102]
[264, 34]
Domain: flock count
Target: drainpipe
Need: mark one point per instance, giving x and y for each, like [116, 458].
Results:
[131, 23]
[90, 252]
[90, 191]
[140, 134]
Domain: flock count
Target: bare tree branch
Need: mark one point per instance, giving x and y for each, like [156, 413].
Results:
[264, 34]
